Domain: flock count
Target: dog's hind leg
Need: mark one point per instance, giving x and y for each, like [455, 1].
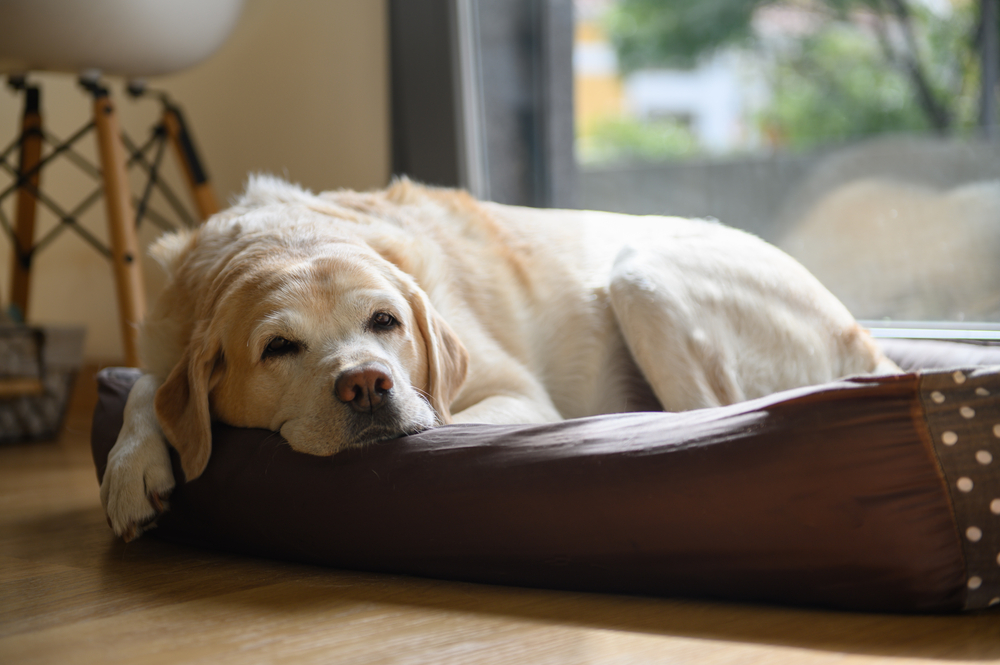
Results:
[666, 339]
[718, 317]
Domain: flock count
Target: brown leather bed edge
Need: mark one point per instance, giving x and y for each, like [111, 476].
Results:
[824, 496]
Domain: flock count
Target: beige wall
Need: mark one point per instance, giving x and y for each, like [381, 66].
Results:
[300, 89]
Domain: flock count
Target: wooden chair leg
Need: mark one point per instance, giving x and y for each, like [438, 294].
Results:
[24, 230]
[121, 224]
[197, 178]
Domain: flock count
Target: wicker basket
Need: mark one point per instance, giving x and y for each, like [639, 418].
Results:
[37, 369]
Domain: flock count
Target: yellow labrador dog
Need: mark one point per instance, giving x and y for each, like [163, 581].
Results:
[345, 318]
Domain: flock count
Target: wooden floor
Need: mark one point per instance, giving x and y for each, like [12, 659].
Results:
[72, 593]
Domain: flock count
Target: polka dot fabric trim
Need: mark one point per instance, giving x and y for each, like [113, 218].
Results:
[963, 416]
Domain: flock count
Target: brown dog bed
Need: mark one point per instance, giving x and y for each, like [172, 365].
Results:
[865, 494]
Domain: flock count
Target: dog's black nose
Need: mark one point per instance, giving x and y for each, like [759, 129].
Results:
[365, 388]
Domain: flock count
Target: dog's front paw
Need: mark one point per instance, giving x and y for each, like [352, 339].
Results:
[137, 482]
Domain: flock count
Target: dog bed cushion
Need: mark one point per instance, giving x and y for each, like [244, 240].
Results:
[864, 494]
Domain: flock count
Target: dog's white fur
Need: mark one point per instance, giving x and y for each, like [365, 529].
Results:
[505, 315]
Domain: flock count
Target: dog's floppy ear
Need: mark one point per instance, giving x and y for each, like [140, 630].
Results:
[447, 357]
[182, 403]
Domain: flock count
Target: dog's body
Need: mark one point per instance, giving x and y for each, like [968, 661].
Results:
[344, 318]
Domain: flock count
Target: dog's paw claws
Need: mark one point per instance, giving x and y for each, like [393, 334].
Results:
[158, 504]
[130, 533]
[132, 530]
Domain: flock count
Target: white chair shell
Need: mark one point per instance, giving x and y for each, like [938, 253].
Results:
[132, 38]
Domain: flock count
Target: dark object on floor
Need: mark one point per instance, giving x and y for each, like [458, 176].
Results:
[37, 370]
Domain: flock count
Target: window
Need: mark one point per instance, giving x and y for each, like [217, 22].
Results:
[859, 135]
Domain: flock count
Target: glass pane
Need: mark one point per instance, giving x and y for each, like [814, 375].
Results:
[847, 132]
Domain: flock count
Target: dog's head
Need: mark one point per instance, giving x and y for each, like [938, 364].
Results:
[320, 339]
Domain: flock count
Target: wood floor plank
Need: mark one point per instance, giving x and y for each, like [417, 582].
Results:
[305, 622]
[13, 569]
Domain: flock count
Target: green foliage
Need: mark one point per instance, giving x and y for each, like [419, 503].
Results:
[953, 61]
[674, 33]
[873, 66]
[836, 88]
[838, 85]
[623, 139]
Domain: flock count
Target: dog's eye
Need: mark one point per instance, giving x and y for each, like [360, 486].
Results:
[383, 321]
[279, 346]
